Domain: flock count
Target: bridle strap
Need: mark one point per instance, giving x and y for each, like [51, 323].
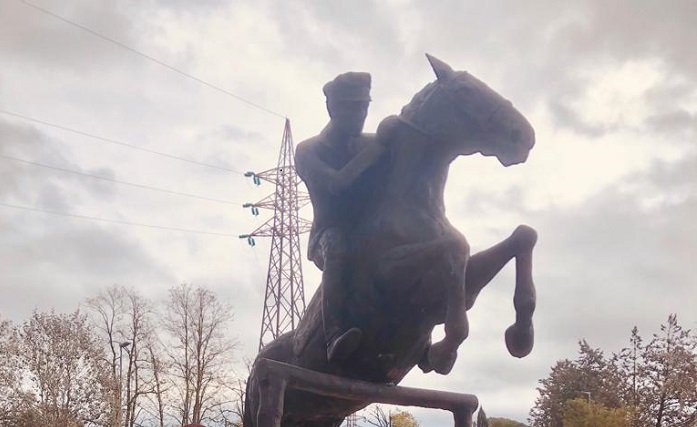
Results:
[416, 127]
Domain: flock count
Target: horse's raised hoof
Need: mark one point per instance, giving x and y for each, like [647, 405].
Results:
[424, 364]
[525, 237]
[341, 347]
[520, 340]
[441, 358]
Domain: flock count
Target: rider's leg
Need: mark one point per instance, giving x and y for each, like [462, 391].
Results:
[341, 341]
[483, 266]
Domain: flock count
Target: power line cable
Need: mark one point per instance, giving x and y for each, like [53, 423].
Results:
[116, 221]
[123, 144]
[147, 187]
[157, 61]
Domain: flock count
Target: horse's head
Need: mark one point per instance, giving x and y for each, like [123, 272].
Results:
[461, 110]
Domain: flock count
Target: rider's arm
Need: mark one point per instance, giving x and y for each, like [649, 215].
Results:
[318, 174]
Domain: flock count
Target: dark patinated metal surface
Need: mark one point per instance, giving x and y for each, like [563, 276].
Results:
[405, 268]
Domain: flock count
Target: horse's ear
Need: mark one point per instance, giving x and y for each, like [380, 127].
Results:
[443, 71]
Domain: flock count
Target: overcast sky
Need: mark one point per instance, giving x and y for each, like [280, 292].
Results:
[610, 87]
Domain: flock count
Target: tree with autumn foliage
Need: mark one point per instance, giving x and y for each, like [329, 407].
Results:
[403, 419]
[8, 373]
[661, 375]
[377, 416]
[591, 373]
[647, 385]
[585, 413]
[60, 378]
[504, 422]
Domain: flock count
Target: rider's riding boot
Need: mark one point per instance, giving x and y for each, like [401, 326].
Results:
[342, 346]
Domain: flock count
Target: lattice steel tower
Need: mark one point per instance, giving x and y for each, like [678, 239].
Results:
[284, 302]
[351, 421]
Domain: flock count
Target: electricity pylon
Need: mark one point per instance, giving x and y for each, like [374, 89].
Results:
[284, 302]
[351, 421]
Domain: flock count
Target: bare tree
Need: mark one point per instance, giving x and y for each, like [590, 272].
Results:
[200, 352]
[239, 395]
[376, 416]
[109, 310]
[139, 378]
[232, 413]
[124, 319]
[159, 387]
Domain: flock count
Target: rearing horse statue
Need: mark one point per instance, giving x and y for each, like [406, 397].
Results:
[409, 268]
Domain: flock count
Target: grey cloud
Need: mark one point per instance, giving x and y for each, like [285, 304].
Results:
[59, 265]
[351, 26]
[626, 31]
[482, 202]
[232, 133]
[621, 258]
[630, 29]
[552, 41]
[186, 6]
[44, 186]
[678, 121]
[670, 117]
[567, 118]
[672, 178]
[600, 268]
[623, 263]
[51, 197]
[232, 146]
[30, 35]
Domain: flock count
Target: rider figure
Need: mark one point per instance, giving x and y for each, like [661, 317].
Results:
[330, 164]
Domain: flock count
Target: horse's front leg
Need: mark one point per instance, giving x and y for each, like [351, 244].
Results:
[483, 266]
[440, 261]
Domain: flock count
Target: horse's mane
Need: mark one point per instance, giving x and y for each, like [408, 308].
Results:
[417, 101]
[421, 104]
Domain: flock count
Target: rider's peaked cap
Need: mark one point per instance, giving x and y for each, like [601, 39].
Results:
[351, 86]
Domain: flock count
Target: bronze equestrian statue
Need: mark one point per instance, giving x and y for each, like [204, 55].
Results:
[403, 268]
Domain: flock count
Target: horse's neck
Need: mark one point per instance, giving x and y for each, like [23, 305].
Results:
[419, 168]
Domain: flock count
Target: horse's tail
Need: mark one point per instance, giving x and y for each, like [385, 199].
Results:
[249, 405]
[280, 349]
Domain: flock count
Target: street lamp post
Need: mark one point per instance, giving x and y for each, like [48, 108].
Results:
[122, 346]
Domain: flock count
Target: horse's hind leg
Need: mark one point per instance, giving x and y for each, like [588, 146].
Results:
[441, 356]
[271, 395]
[444, 261]
[483, 266]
